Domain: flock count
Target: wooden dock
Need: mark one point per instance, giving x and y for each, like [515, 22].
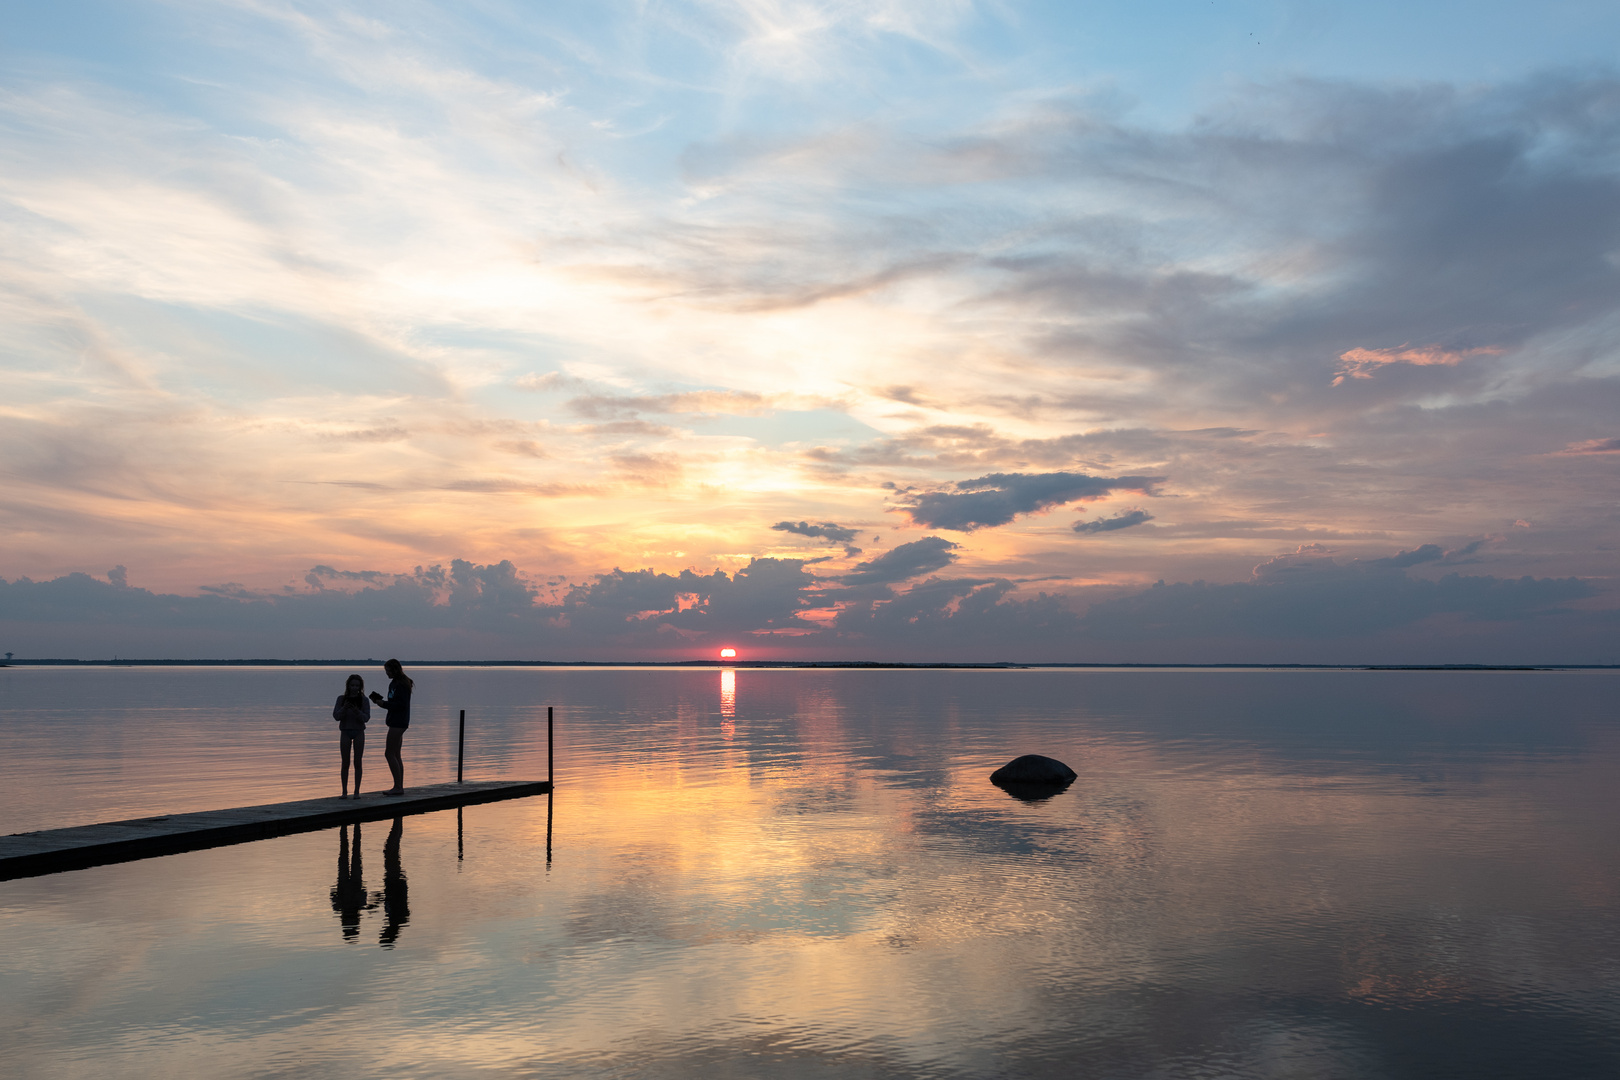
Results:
[52, 850]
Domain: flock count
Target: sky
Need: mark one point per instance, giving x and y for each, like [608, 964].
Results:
[1153, 332]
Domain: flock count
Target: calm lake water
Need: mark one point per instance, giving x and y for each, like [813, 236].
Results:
[807, 874]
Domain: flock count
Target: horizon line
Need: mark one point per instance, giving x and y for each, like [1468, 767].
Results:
[900, 664]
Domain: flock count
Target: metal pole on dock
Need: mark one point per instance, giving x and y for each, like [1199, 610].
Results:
[549, 730]
[461, 744]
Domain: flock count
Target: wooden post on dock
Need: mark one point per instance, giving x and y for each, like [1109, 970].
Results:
[548, 744]
[461, 744]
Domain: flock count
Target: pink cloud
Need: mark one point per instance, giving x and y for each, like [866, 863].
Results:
[1593, 446]
[1361, 363]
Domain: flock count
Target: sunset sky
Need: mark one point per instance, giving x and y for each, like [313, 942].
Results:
[1217, 331]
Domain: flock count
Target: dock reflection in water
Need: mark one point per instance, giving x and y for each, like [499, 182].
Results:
[1361, 875]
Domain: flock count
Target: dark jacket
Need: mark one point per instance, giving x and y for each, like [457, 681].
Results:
[351, 715]
[398, 703]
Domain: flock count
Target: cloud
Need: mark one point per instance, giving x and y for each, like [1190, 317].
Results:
[1592, 446]
[549, 382]
[233, 590]
[318, 576]
[523, 448]
[653, 470]
[713, 402]
[1310, 594]
[471, 610]
[622, 607]
[978, 614]
[1428, 553]
[826, 531]
[1361, 363]
[996, 499]
[1005, 279]
[1414, 557]
[367, 435]
[1123, 520]
[904, 562]
[1464, 554]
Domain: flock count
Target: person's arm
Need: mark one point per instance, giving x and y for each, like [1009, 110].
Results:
[381, 701]
[365, 709]
[338, 708]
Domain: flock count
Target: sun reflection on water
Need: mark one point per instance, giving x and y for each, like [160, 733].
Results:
[728, 701]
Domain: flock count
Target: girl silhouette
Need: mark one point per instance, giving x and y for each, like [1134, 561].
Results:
[351, 713]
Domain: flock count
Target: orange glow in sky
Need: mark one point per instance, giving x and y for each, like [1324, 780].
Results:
[620, 408]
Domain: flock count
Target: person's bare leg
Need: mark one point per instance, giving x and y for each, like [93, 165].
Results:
[396, 763]
[359, 752]
[343, 747]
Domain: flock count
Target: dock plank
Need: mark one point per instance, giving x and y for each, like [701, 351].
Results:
[51, 851]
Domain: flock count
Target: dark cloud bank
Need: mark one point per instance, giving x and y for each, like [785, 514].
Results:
[1303, 607]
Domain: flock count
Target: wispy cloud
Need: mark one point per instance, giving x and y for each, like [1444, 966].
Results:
[1123, 520]
[996, 499]
[827, 530]
[724, 402]
[1361, 363]
[1592, 446]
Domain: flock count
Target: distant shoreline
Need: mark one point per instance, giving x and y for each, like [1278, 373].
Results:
[800, 664]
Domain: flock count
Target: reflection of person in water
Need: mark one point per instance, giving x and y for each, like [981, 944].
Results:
[349, 894]
[395, 895]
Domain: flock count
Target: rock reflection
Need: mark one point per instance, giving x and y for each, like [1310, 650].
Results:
[1032, 792]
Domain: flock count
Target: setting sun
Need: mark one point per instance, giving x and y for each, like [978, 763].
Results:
[724, 653]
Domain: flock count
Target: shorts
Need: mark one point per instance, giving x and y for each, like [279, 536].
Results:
[358, 738]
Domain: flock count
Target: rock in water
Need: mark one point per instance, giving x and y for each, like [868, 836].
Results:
[1033, 769]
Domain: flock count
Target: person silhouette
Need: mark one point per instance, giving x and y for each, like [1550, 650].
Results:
[351, 713]
[396, 901]
[398, 706]
[349, 894]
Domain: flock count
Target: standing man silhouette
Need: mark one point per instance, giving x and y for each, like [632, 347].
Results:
[398, 706]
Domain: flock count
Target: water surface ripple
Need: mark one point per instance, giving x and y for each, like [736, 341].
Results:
[807, 874]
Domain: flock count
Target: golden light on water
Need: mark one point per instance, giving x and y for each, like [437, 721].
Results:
[728, 693]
